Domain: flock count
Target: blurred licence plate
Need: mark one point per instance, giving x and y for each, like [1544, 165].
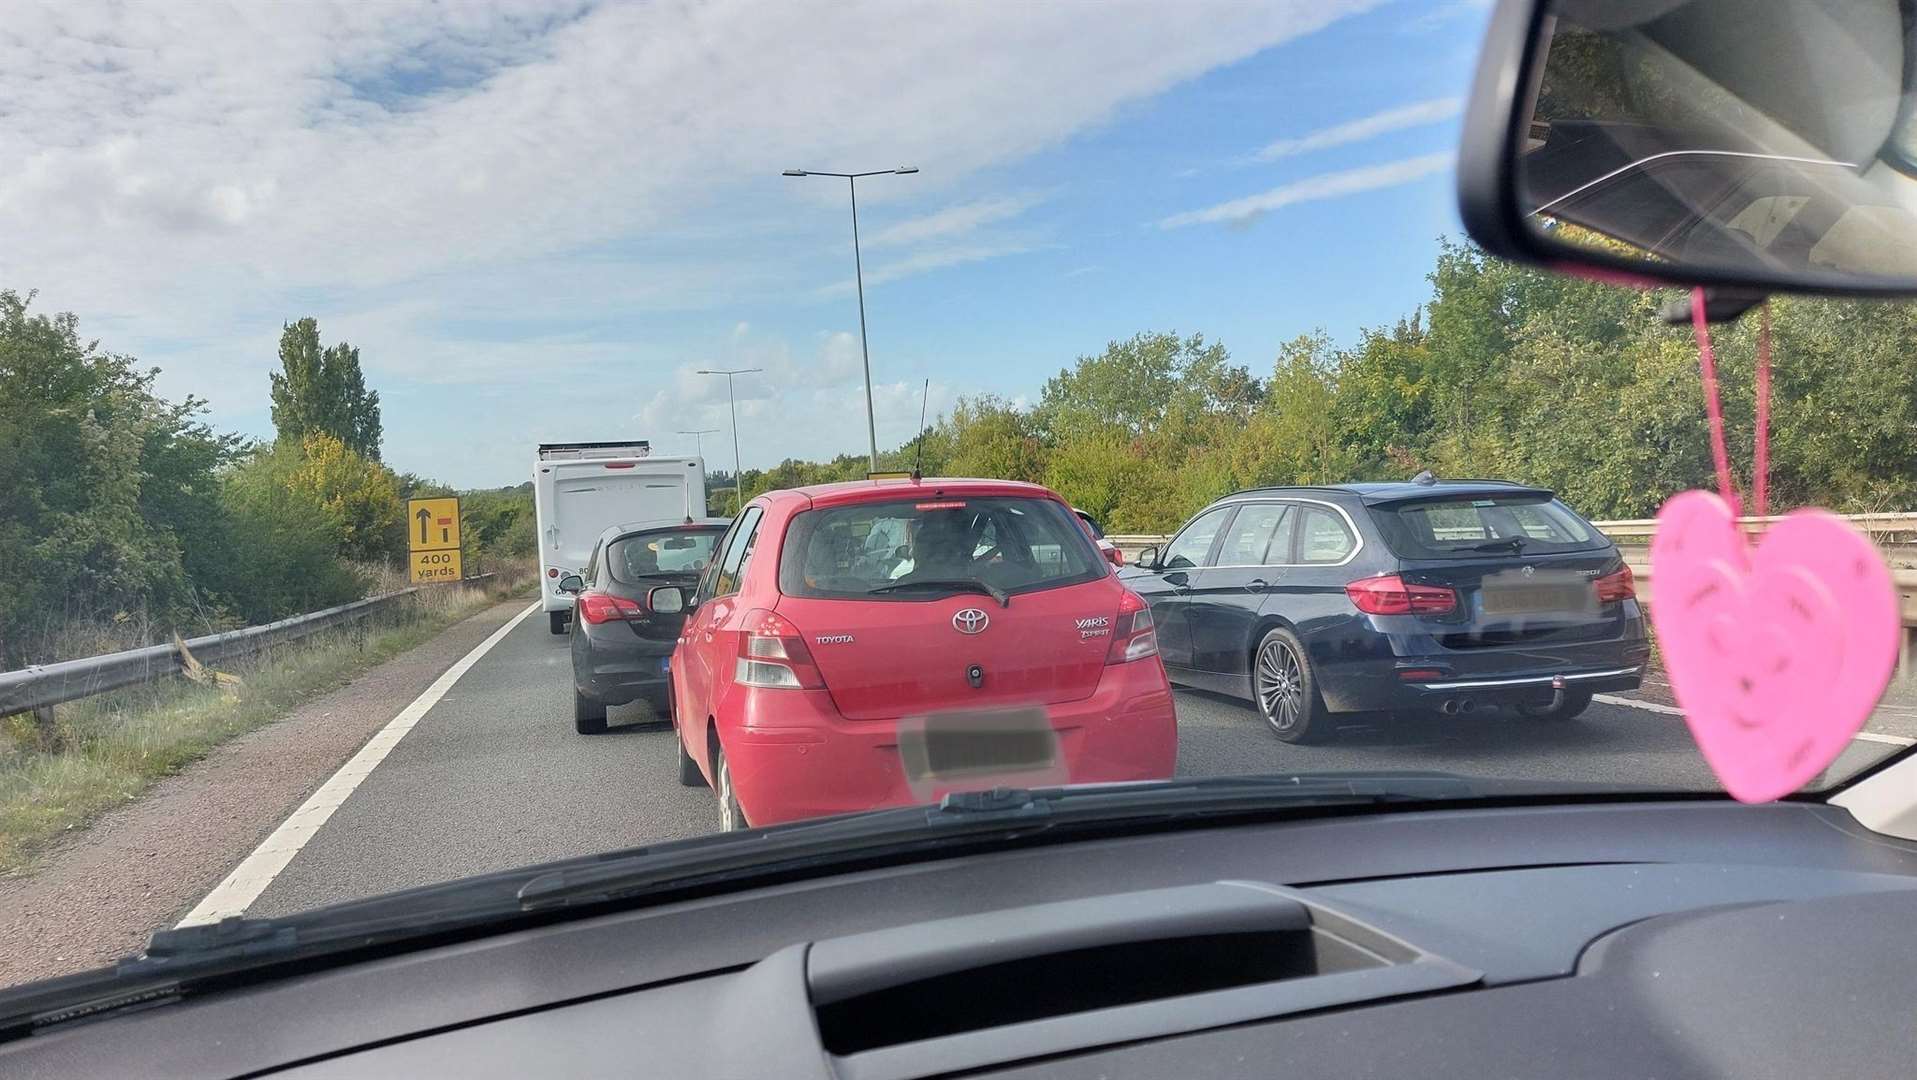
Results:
[976, 744]
[1524, 599]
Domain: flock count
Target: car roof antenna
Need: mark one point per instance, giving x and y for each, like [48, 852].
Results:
[918, 467]
[1424, 477]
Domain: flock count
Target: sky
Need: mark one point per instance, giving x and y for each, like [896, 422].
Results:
[538, 220]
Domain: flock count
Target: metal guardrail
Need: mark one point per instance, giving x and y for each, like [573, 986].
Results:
[43, 686]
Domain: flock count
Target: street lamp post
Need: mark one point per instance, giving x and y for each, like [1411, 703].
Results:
[858, 271]
[698, 443]
[738, 474]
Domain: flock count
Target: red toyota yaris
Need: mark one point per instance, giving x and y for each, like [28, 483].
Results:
[882, 642]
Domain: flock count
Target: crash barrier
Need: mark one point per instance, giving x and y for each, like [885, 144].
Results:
[43, 686]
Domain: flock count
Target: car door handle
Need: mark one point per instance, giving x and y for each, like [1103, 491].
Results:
[1257, 584]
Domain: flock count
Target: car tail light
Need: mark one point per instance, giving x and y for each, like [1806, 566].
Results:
[1133, 637]
[1390, 594]
[772, 654]
[1617, 585]
[598, 607]
[552, 571]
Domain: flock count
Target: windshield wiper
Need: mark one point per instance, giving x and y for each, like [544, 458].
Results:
[1001, 812]
[953, 584]
[1515, 543]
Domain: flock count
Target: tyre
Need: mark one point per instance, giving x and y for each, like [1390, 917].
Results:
[588, 716]
[1573, 703]
[731, 814]
[1286, 691]
[556, 621]
[689, 774]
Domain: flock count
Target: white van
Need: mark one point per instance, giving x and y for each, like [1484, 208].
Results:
[581, 488]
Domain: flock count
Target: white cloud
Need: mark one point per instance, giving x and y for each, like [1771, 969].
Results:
[186, 177]
[952, 221]
[933, 258]
[808, 405]
[1312, 188]
[1444, 13]
[1416, 114]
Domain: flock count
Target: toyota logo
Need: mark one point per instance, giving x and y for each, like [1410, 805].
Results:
[970, 621]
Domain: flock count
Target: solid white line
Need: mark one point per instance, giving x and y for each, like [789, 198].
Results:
[1667, 710]
[249, 879]
[1633, 703]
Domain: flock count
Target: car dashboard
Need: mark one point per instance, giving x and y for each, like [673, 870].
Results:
[1679, 938]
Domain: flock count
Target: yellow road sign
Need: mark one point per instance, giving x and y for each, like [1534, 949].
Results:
[432, 524]
[432, 566]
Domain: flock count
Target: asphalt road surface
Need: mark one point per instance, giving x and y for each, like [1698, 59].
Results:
[493, 776]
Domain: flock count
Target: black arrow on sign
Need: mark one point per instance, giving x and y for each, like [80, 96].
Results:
[424, 517]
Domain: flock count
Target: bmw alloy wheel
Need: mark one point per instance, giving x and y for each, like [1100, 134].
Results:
[1281, 686]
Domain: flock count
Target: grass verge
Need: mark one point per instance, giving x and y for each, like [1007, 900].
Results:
[115, 746]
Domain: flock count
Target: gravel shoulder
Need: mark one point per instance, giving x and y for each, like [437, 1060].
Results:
[96, 896]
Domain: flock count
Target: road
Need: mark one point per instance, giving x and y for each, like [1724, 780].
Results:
[492, 775]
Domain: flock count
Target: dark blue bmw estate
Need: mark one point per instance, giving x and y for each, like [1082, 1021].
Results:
[1425, 594]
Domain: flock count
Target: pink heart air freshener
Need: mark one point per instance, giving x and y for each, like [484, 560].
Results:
[1778, 654]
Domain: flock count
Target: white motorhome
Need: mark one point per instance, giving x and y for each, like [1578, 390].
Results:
[581, 488]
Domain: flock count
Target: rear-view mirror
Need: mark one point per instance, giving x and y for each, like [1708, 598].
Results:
[1148, 558]
[678, 543]
[1757, 144]
[666, 599]
[571, 583]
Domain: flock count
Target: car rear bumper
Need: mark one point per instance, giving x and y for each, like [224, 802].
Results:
[1415, 670]
[794, 756]
[615, 672]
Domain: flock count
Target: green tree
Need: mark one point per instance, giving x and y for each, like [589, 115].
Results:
[322, 390]
[100, 483]
[1133, 384]
[360, 497]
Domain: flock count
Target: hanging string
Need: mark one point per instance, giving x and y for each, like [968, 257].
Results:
[1760, 479]
[1713, 408]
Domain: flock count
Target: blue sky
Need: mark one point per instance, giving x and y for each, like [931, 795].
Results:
[536, 223]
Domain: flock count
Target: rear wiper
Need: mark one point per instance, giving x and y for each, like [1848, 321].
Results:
[954, 584]
[1515, 543]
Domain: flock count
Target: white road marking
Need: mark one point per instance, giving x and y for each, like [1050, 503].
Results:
[249, 879]
[1633, 703]
[1668, 710]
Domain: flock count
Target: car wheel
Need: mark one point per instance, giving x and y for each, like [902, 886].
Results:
[556, 621]
[588, 716]
[731, 815]
[1573, 703]
[1286, 692]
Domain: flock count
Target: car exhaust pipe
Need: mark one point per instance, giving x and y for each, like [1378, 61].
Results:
[1467, 705]
[1450, 706]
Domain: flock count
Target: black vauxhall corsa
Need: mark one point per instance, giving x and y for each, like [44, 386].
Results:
[620, 646]
[1424, 594]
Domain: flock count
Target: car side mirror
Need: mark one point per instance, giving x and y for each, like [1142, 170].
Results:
[1747, 145]
[572, 583]
[666, 599]
[1148, 558]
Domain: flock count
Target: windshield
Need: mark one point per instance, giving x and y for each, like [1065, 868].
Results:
[930, 547]
[439, 440]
